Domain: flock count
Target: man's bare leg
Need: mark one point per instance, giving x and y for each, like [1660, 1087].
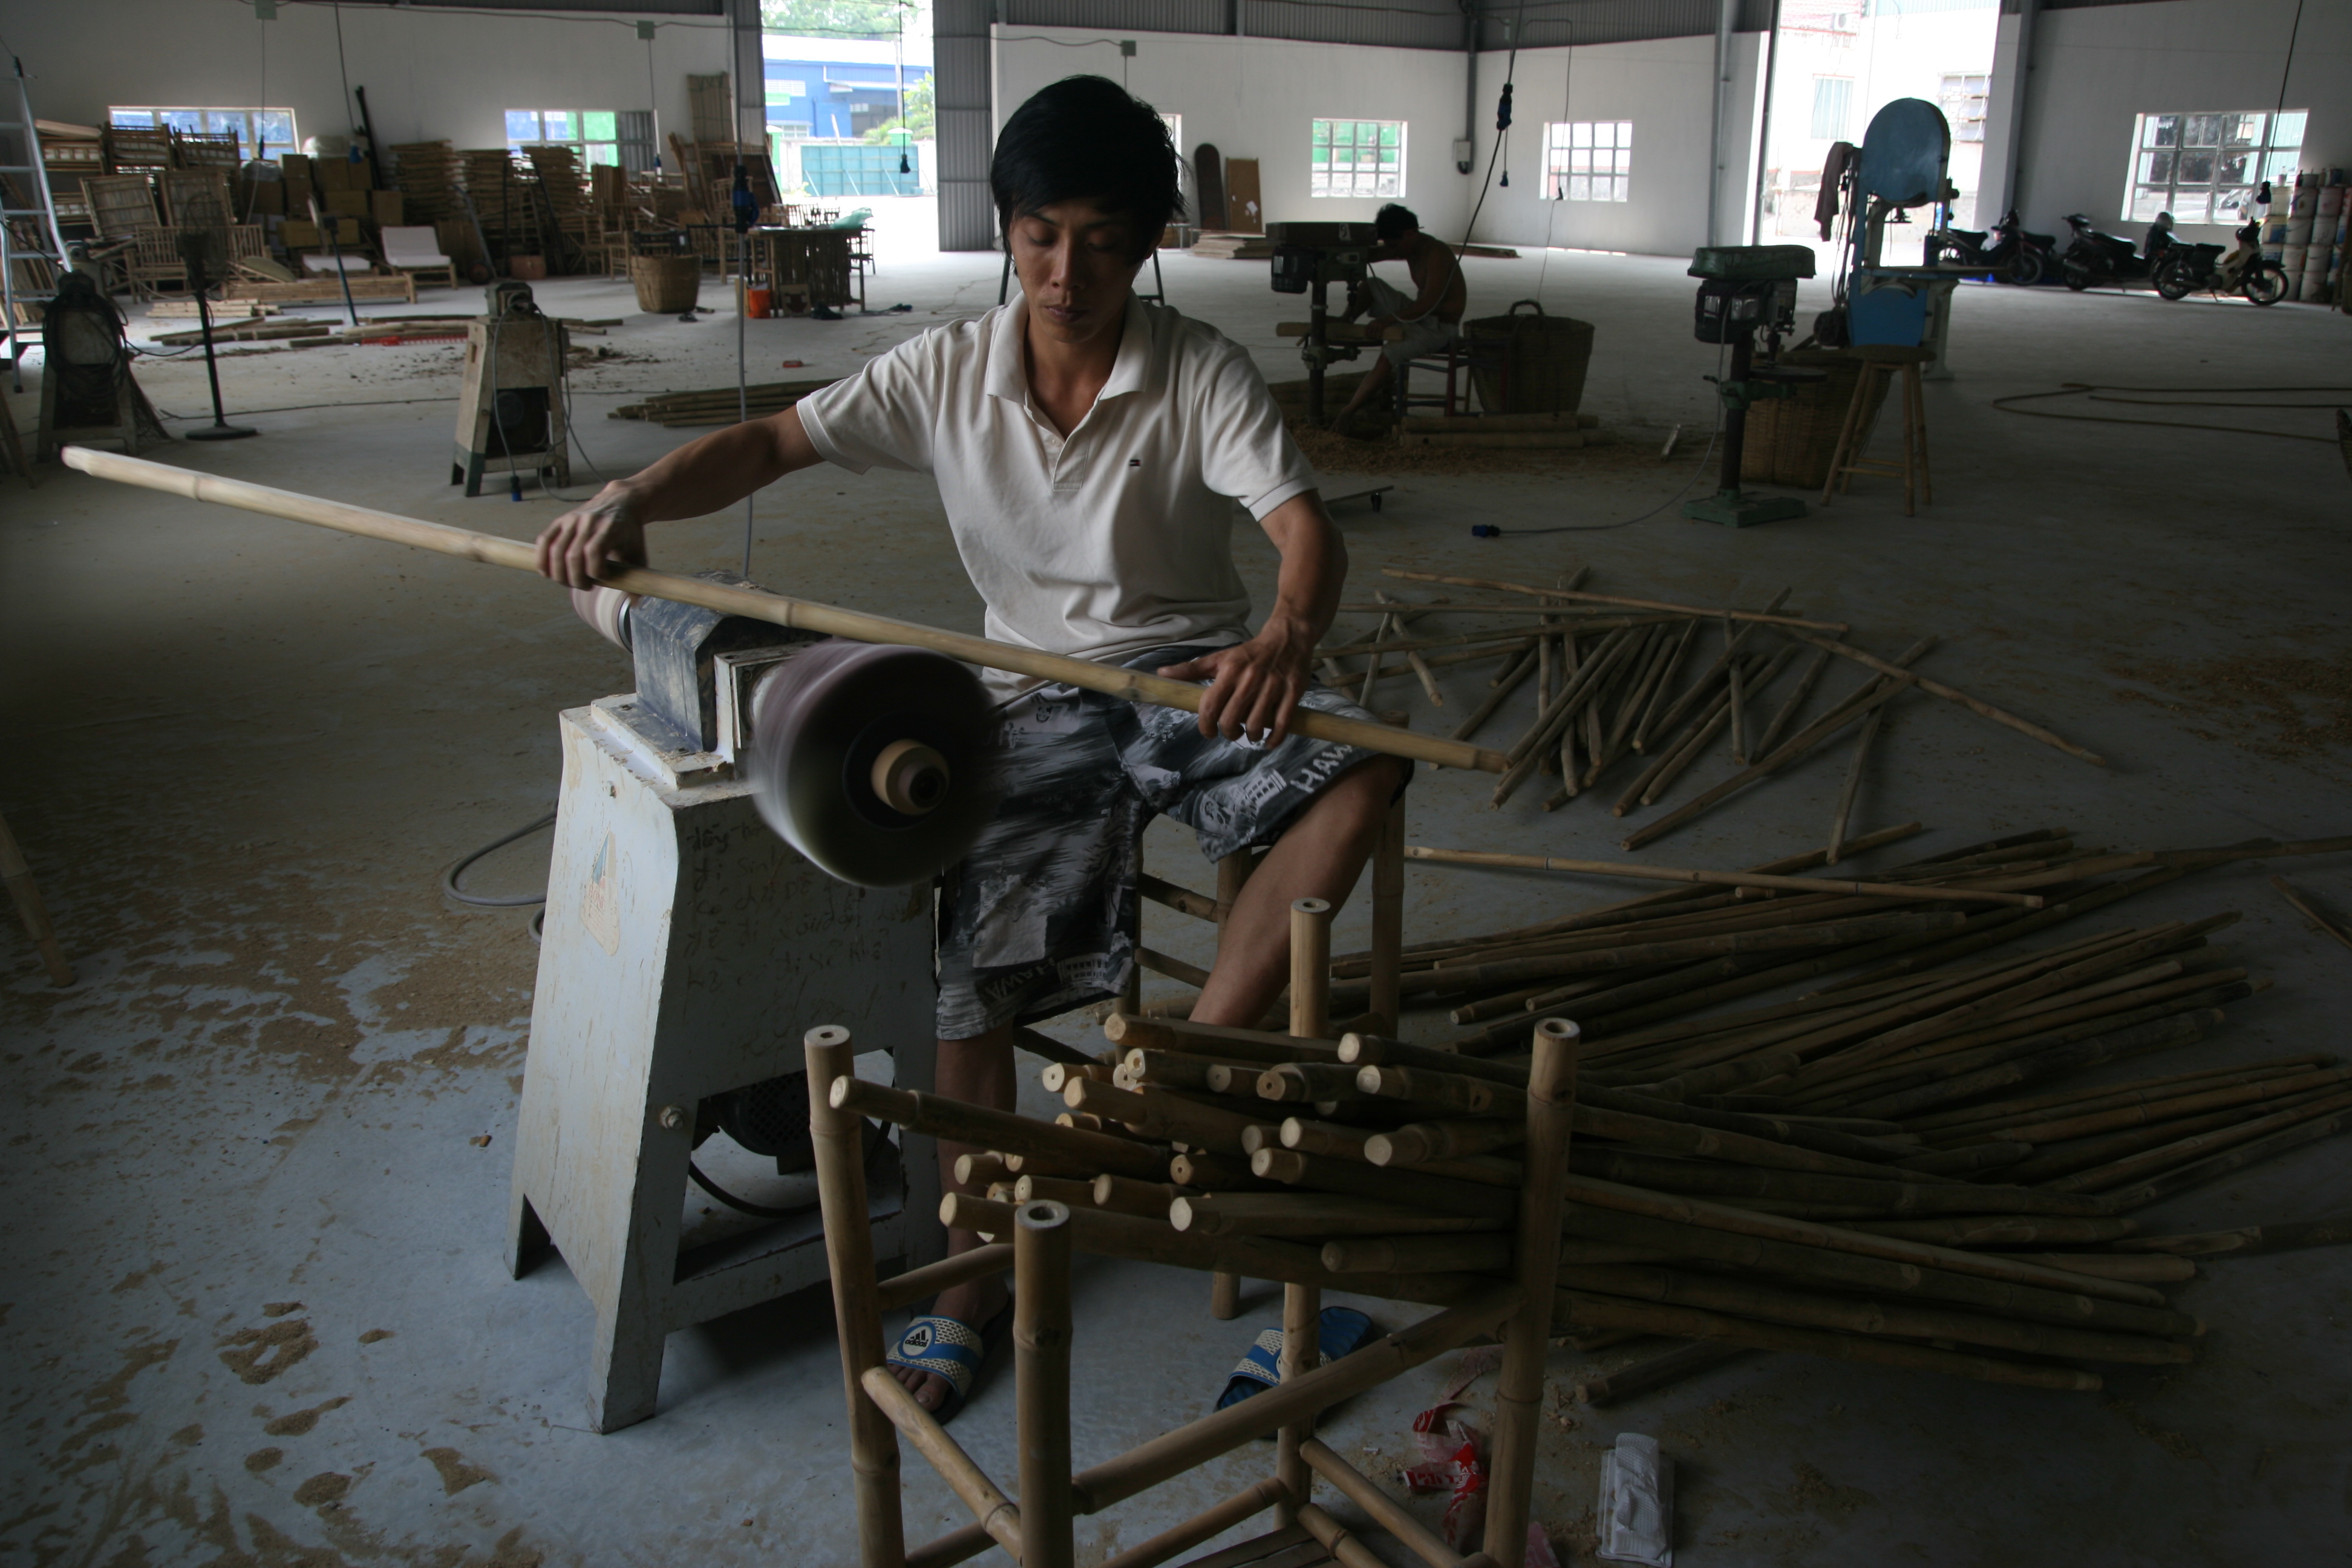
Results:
[978, 1070]
[1318, 857]
[1321, 855]
[1374, 380]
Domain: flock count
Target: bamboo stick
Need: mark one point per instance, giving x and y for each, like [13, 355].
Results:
[1388, 919]
[1161, 1116]
[1053, 1189]
[1429, 1093]
[2000, 1230]
[1706, 1142]
[1213, 1173]
[1510, 680]
[2198, 1147]
[1952, 694]
[1689, 1218]
[2319, 923]
[1258, 1046]
[1482, 1254]
[2142, 1193]
[756, 604]
[938, 1117]
[1641, 872]
[1870, 727]
[1761, 617]
[1226, 1300]
[1787, 712]
[2248, 1240]
[1123, 1194]
[1188, 1447]
[1886, 1199]
[840, 1146]
[2067, 1050]
[1297, 1081]
[1524, 756]
[1378, 1506]
[2148, 1268]
[1307, 1214]
[1662, 692]
[1804, 1309]
[1584, 1307]
[1657, 1372]
[1408, 1188]
[915, 1285]
[1302, 1310]
[1854, 710]
[988, 1505]
[2095, 1096]
[1040, 1375]
[1518, 1386]
[2231, 1096]
[1419, 1143]
[1205, 1525]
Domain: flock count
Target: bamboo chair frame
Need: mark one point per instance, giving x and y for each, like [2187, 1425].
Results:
[1036, 1530]
[1901, 365]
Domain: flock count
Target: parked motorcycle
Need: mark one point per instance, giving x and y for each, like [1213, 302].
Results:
[2188, 268]
[2095, 258]
[2024, 258]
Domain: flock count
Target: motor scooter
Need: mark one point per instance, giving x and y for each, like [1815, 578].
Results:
[2021, 257]
[2244, 270]
[2096, 258]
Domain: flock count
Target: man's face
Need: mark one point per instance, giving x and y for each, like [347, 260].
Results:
[1077, 264]
[1397, 247]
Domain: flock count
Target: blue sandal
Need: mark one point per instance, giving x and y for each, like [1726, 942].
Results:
[1340, 1331]
[949, 1349]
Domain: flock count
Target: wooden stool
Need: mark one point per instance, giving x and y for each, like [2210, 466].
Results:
[1036, 1530]
[1459, 359]
[1903, 363]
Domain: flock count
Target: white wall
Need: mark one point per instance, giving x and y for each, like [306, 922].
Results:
[1252, 98]
[2093, 71]
[428, 73]
[1666, 88]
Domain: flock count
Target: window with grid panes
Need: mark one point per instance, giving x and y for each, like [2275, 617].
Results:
[593, 133]
[259, 132]
[2204, 167]
[1357, 158]
[1589, 160]
[1962, 96]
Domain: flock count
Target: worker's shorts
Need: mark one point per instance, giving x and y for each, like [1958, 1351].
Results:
[1421, 338]
[1043, 915]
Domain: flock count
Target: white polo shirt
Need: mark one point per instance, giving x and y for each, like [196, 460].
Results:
[1099, 545]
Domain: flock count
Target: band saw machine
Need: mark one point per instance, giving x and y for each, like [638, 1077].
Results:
[744, 845]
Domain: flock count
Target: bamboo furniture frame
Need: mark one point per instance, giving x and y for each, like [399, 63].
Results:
[1036, 1529]
[1861, 422]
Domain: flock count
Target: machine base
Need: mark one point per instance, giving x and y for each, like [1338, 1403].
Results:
[1735, 509]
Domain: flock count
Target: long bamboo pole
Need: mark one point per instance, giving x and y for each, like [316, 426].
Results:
[1041, 1347]
[752, 603]
[1924, 892]
[840, 1144]
[1953, 694]
[1613, 599]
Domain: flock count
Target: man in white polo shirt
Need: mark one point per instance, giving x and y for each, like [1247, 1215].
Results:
[1088, 449]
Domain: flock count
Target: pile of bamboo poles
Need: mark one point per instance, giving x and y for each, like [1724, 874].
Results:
[1634, 690]
[1896, 1166]
[718, 405]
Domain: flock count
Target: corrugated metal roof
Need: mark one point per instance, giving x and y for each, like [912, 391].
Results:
[1399, 23]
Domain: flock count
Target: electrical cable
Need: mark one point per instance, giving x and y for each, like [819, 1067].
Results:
[2091, 389]
[758, 1211]
[297, 407]
[487, 901]
[1493, 531]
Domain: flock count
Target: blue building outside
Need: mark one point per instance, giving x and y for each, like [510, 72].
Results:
[836, 90]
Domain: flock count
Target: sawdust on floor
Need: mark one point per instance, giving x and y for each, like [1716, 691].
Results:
[2284, 706]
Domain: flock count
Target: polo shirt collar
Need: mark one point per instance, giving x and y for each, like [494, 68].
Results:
[1008, 370]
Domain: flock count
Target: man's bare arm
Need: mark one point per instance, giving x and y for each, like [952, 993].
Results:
[698, 478]
[1255, 684]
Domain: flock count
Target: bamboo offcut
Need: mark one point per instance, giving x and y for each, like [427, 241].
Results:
[1041, 1371]
[756, 604]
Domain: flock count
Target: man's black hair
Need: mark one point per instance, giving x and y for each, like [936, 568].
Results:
[1086, 138]
[1393, 220]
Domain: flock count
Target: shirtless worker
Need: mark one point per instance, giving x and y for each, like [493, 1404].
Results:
[1088, 449]
[1430, 319]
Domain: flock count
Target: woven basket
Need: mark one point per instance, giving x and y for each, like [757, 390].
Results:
[1548, 356]
[665, 284]
[1790, 440]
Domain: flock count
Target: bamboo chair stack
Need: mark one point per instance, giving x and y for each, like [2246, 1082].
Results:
[1626, 692]
[1510, 1296]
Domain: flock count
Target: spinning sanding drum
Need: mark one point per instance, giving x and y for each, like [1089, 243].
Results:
[873, 761]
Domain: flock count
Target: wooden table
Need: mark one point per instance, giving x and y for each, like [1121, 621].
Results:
[822, 260]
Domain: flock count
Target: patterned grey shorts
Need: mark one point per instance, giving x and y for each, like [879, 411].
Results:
[1042, 916]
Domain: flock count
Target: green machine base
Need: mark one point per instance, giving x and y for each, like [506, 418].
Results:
[1734, 510]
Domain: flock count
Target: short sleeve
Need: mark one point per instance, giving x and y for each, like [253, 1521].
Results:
[1247, 453]
[880, 418]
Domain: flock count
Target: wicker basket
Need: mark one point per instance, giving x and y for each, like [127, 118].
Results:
[1790, 440]
[1548, 356]
[665, 284]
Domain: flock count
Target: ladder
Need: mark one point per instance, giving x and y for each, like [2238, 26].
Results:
[26, 142]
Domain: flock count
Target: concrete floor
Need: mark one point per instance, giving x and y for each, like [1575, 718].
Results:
[258, 1160]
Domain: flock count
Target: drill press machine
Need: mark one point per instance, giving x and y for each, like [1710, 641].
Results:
[1308, 258]
[1746, 290]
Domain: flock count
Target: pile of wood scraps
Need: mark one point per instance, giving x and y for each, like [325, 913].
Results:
[1233, 247]
[1627, 689]
[428, 176]
[718, 405]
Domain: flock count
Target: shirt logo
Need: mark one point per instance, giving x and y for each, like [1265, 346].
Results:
[1135, 462]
